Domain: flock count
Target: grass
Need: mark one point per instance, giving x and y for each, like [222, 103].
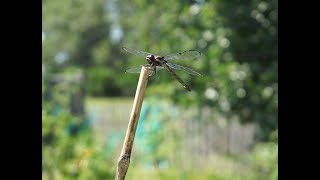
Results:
[221, 167]
[138, 173]
[100, 101]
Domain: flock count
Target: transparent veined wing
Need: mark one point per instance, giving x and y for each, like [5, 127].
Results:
[136, 52]
[134, 69]
[138, 69]
[188, 70]
[185, 55]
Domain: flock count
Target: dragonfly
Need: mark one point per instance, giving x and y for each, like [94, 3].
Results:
[156, 62]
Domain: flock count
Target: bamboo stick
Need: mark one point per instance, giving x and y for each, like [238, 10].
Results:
[124, 159]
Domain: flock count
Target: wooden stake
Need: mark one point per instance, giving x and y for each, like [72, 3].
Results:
[124, 159]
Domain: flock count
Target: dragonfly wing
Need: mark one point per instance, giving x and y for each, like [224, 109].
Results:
[136, 52]
[188, 70]
[190, 54]
[138, 69]
[134, 69]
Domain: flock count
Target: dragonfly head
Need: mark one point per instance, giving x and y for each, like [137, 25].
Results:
[150, 58]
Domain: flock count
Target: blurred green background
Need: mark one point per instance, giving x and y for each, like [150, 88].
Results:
[226, 128]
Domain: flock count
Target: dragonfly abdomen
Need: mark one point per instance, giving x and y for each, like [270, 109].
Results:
[185, 86]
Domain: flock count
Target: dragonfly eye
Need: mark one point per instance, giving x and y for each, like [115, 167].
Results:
[149, 58]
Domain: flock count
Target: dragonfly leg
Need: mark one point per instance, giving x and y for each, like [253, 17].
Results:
[154, 72]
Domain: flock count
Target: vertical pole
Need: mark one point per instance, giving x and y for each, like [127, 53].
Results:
[124, 159]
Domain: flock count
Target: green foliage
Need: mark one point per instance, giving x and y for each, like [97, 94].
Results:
[265, 158]
[238, 40]
[69, 151]
[254, 43]
[96, 78]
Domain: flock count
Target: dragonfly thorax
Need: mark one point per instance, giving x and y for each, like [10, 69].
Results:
[155, 60]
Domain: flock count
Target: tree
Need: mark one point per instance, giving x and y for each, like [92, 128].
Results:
[238, 41]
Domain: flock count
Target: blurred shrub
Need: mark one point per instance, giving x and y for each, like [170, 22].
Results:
[238, 40]
[265, 158]
[100, 81]
[68, 155]
[68, 148]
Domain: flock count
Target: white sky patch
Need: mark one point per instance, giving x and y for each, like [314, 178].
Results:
[194, 9]
[43, 36]
[224, 42]
[61, 57]
[263, 6]
[212, 94]
[207, 35]
[116, 33]
[43, 69]
[267, 92]
[241, 93]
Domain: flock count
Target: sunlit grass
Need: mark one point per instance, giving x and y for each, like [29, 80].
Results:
[138, 173]
[219, 167]
[107, 100]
